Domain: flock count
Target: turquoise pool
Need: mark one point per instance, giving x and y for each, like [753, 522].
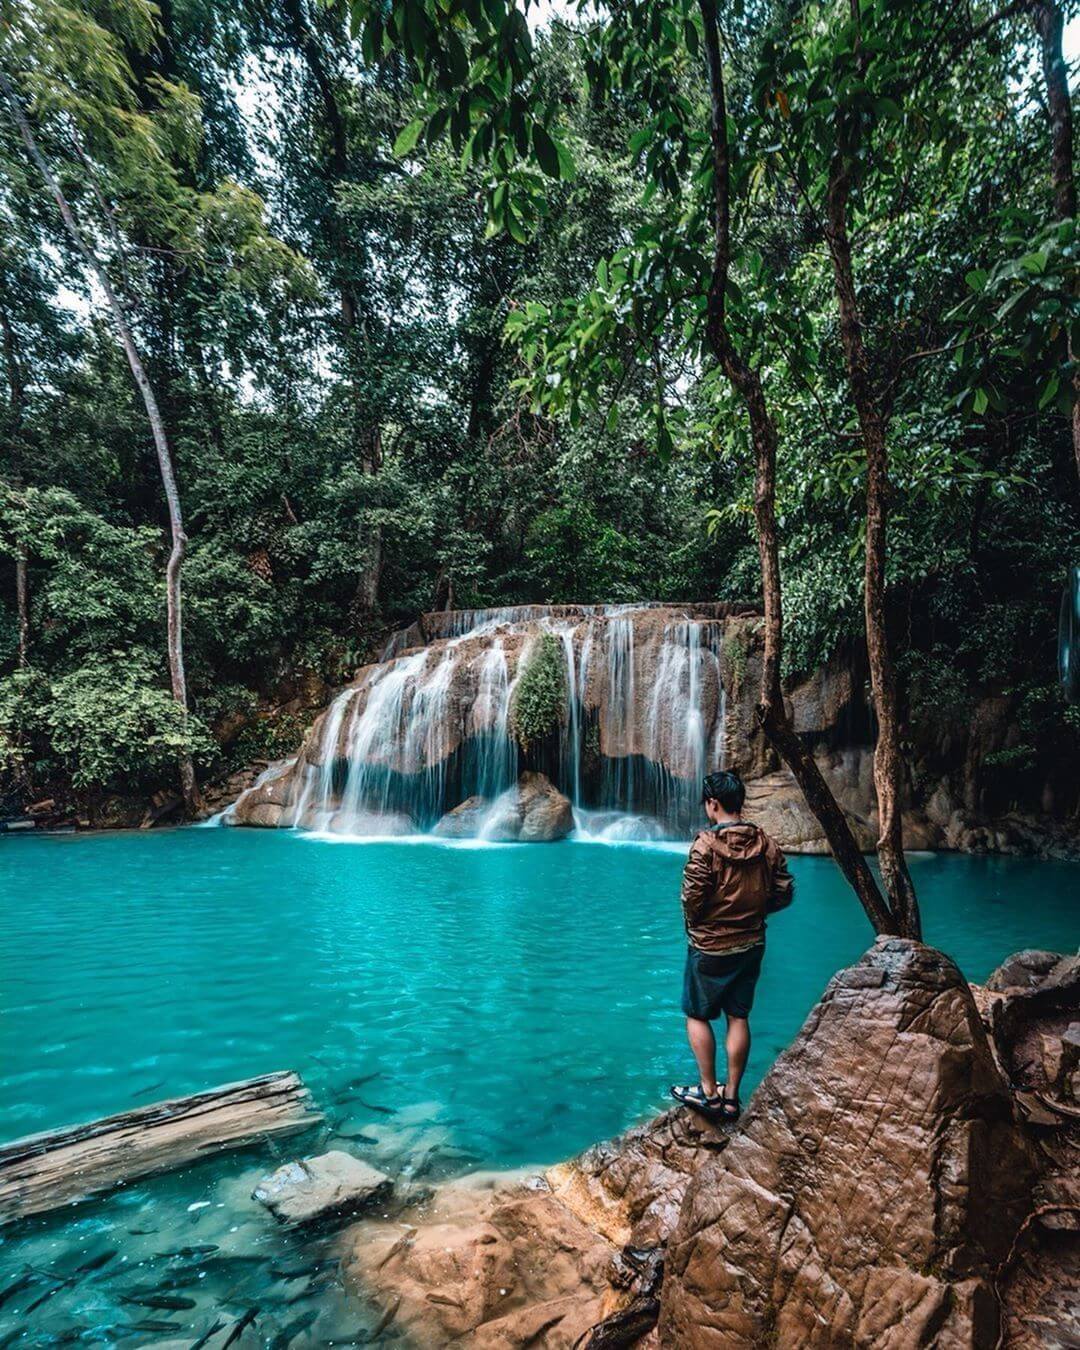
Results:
[505, 1005]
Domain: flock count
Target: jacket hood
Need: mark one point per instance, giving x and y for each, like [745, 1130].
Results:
[740, 842]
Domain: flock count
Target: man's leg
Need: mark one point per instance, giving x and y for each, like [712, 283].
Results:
[703, 1044]
[737, 1045]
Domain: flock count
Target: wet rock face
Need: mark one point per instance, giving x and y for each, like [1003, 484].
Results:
[874, 1185]
[535, 811]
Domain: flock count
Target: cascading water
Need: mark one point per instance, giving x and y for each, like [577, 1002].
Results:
[429, 727]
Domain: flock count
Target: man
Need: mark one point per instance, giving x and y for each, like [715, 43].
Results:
[735, 875]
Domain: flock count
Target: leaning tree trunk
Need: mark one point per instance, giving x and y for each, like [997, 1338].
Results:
[189, 785]
[888, 764]
[1048, 24]
[772, 712]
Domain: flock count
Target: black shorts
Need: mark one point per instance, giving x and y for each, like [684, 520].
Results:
[716, 982]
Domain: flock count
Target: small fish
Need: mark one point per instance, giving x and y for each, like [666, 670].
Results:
[200, 1249]
[239, 1327]
[359, 1082]
[315, 1287]
[153, 1087]
[10, 1338]
[207, 1335]
[60, 1284]
[288, 1334]
[360, 1138]
[150, 1324]
[371, 1106]
[67, 1337]
[167, 1302]
[95, 1262]
[299, 1273]
[141, 1232]
[23, 1282]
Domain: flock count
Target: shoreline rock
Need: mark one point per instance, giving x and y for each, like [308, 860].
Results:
[884, 1188]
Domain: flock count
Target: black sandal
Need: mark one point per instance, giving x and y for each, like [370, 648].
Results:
[730, 1110]
[694, 1097]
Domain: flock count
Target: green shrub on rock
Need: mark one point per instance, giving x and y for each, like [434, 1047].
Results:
[539, 702]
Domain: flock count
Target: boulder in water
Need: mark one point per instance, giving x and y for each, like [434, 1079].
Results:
[465, 821]
[332, 1186]
[533, 812]
[263, 805]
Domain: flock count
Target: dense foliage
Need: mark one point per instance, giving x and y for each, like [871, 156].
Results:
[538, 706]
[397, 376]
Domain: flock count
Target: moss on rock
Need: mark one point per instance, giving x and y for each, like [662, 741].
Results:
[539, 702]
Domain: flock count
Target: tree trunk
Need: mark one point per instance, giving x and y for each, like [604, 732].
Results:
[22, 596]
[888, 764]
[1048, 24]
[189, 785]
[772, 712]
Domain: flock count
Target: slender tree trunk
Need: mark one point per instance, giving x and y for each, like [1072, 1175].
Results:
[17, 395]
[888, 764]
[189, 785]
[772, 712]
[22, 595]
[1048, 24]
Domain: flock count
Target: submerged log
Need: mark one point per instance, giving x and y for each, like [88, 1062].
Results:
[59, 1167]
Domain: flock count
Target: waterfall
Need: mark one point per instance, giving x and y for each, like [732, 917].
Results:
[428, 727]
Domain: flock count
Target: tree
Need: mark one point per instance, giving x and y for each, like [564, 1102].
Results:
[111, 88]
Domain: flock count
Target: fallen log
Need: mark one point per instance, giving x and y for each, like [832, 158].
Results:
[59, 1167]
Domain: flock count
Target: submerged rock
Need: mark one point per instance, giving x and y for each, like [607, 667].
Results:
[333, 1186]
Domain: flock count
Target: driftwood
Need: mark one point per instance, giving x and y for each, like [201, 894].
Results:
[640, 1270]
[44, 1171]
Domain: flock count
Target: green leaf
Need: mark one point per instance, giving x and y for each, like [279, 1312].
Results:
[546, 152]
[976, 279]
[407, 137]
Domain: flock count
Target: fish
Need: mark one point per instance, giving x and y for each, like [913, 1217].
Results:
[141, 1232]
[239, 1327]
[60, 1284]
[200, 1249]
[95, 1262]
[207, 1334]
[360, 1138]
[315, 1287]
[353, 1086]
[23, 1282]
[288, 1334]
[153, 1087]
[169, 1302]
[372, 1106]
[11, 1337]
[299, 1273]
[149, 1324]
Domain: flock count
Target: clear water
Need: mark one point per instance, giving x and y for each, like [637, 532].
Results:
[515, 1003]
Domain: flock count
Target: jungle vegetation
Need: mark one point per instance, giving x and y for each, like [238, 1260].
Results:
[317, 315]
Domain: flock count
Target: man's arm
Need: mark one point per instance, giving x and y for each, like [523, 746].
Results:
[696, 880]
[783, 884]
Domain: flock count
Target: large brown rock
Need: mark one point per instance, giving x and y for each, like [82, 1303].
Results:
[878, 1178]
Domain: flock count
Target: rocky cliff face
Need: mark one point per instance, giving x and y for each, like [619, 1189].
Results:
[888, 1186]
[652, 698]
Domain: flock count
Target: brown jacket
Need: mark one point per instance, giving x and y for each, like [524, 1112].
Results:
[735, 875]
